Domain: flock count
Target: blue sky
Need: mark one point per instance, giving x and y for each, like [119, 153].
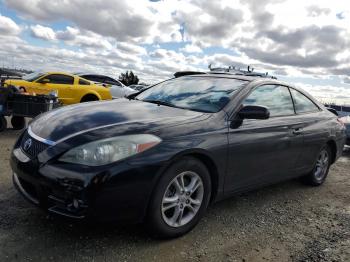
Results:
[303, 43]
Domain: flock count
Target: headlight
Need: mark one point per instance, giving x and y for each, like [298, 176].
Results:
[110, 150]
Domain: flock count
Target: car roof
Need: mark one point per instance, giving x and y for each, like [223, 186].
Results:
[57, 72]
[93, 74]
[255, 79]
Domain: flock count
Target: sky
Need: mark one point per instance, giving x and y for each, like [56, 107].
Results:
[305, 43]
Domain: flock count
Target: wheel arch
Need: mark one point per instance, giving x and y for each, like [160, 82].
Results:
[90, 94]
[208, 162]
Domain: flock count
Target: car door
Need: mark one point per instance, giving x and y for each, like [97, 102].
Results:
[262, 151]
[312, 126]
[63, 84]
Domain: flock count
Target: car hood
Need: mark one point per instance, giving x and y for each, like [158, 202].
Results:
[73, 120]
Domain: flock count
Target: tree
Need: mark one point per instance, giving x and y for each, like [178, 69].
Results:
[128, 78]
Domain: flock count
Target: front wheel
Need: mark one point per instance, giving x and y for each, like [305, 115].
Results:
[320, 171]
[180, 199]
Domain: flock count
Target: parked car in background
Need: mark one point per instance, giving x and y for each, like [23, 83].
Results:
[71, 89]
[117, 88]
[346, 121]
[342, 110]
[163, 156]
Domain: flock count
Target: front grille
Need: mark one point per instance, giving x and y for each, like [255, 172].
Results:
[35, 148]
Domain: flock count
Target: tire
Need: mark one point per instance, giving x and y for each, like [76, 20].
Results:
[170, 223]
[320, 171]
[18, 122]
[3, 123]
[89, 98]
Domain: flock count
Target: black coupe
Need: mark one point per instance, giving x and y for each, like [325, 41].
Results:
[163, 155]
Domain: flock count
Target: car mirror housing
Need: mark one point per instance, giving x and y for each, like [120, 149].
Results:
[254, 112]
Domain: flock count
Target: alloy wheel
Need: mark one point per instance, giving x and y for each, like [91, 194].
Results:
[182, 199]
[321, 165]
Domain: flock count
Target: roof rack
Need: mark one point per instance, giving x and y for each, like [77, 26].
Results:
[186, 73]
[238, 71]
[226, 70]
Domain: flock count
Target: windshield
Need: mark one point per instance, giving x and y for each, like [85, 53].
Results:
[194, 93]
[33, 76]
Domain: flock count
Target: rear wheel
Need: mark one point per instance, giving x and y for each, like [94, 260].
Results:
[89, 98]
[180, 200]
[18, 122]
[3, 123]
[320, 171]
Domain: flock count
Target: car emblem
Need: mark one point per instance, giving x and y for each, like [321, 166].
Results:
[27, 144]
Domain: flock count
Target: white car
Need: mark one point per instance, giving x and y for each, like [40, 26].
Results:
[117, 88]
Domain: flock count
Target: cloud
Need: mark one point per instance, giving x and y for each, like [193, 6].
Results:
[316, 11]
[190, 48]
[43, 32]
[346, 80]
[157, 38]
[105, 17]
[8, 26]
[208, 21]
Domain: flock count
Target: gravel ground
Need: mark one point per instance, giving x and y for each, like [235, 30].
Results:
[284, 222]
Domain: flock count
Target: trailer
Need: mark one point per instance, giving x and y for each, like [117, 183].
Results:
[19, 106]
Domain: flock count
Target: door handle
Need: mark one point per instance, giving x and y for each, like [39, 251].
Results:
[297, 131]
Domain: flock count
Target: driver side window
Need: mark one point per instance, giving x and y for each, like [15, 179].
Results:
[59, 79]
[276, 98]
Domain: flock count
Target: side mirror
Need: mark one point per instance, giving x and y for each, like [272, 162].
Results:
[254, 112]
[45, 81]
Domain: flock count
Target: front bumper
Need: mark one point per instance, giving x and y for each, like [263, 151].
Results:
[118, 193]
[51, 194]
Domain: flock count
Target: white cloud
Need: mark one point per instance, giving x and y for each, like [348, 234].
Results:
[43, 32]
[8, 26]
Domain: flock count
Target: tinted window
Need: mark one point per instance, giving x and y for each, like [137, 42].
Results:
[302, 103]
[83, 82]
[194, 93]
[111, 81]
[93, 78]
[59, 79]
[276, 98]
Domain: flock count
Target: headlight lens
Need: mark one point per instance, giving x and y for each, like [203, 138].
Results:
[110, 150]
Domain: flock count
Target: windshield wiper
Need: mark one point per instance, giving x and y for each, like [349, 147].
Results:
[159, 102]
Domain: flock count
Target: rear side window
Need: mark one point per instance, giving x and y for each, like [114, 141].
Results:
[83, 82]
[94, 78]
[302, 103]
[60, 79]
[276, 98]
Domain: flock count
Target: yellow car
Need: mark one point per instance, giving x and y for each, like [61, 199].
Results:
[71, 89]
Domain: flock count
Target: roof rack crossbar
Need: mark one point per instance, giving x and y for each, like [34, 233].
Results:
[238, 71]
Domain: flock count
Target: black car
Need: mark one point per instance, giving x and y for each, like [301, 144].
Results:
[164, 155]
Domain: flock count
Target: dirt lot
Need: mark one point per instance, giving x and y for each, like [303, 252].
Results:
[284, 222]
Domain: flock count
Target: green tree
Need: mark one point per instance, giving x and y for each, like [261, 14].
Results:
[128, 78]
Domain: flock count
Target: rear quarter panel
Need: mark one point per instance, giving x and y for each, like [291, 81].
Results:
[318, 129]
